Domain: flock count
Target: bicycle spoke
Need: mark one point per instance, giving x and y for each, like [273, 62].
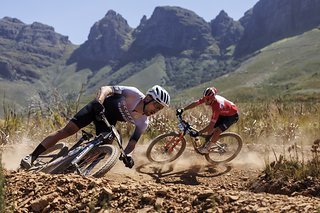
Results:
[91, 162]
[166, 148]
[225, 149]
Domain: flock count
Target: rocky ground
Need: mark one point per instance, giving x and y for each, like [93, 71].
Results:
[188, 185]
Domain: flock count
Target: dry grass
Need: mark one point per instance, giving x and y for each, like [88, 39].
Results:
[283, 124]
[295, 166]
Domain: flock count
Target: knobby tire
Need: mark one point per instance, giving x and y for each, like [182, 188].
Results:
[239, 143]
[110, 152]
[113, 155]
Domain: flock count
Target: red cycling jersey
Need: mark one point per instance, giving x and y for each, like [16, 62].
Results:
[221, 107]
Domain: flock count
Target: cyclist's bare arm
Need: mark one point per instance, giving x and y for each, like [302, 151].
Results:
[134, 138]
[104, 92]
[192, 105]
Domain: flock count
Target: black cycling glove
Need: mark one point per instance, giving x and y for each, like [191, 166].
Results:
[179, 111]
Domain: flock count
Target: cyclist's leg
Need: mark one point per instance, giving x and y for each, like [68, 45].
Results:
[100, 126]
[83, 118]
[80, 120]
[70, 129]
[214, 138]
[223, 123]
[48, 142]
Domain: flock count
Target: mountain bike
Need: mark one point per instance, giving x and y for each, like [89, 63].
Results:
[168, 147]
[90, 156]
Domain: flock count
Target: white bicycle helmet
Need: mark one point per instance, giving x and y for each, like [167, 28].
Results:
[160, 95]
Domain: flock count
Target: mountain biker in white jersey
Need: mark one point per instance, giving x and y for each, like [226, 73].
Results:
[118, 103]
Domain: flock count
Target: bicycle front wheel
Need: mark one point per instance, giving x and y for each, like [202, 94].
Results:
[166, 147]
[99, 161]
[225, 149]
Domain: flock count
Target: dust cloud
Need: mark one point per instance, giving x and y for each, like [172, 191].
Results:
[13, 153]
[249, 158]
[253, 157]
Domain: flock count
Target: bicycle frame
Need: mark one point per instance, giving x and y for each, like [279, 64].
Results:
[79, 150]
[115, 134]
[167, 147]
[184, 128]
[172, 144]
[99, 140]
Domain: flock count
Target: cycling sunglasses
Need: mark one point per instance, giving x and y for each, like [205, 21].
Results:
[157, 105]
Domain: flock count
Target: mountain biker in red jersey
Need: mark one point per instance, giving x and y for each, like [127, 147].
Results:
[118, 103]
[224, 114]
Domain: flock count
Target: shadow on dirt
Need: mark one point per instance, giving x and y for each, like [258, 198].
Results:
[167, 174]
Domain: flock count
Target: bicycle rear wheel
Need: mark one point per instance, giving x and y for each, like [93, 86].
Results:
[99, 161]
[166, 147]
[226, 148]
[58, 150]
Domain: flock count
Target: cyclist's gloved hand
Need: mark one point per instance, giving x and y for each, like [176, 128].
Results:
[194, 133]
[97, 107]
[179, 111]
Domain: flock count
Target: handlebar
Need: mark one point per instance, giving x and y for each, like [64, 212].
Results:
[185, 126]
[127, 160]
[113, 129]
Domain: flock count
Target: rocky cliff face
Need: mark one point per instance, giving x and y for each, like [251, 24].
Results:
[272, 20]
[24, 48]
[225, 30]
[188, 43]
[108, 40]
[169, 31]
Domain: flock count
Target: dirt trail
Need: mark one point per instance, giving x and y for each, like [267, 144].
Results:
[188, 185]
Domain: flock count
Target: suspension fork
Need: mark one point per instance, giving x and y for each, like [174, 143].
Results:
[170, 145]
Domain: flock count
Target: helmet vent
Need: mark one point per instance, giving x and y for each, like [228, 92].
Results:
[159, 94]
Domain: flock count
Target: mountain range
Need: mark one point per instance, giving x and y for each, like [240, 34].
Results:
[175, 48]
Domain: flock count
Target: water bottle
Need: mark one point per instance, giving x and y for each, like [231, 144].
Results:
[197, 142]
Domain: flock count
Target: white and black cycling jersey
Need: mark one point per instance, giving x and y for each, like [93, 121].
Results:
[126, 103]
[118, 107]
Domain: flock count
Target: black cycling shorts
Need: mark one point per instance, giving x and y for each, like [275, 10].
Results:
[224, 122]
[87, 115]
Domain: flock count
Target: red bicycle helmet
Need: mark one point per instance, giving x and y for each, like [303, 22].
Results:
[210, 92]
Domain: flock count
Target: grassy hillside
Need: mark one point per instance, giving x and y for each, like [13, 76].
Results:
[154, 73]
[289, 69]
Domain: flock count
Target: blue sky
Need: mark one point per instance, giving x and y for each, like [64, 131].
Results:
[74, 18]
